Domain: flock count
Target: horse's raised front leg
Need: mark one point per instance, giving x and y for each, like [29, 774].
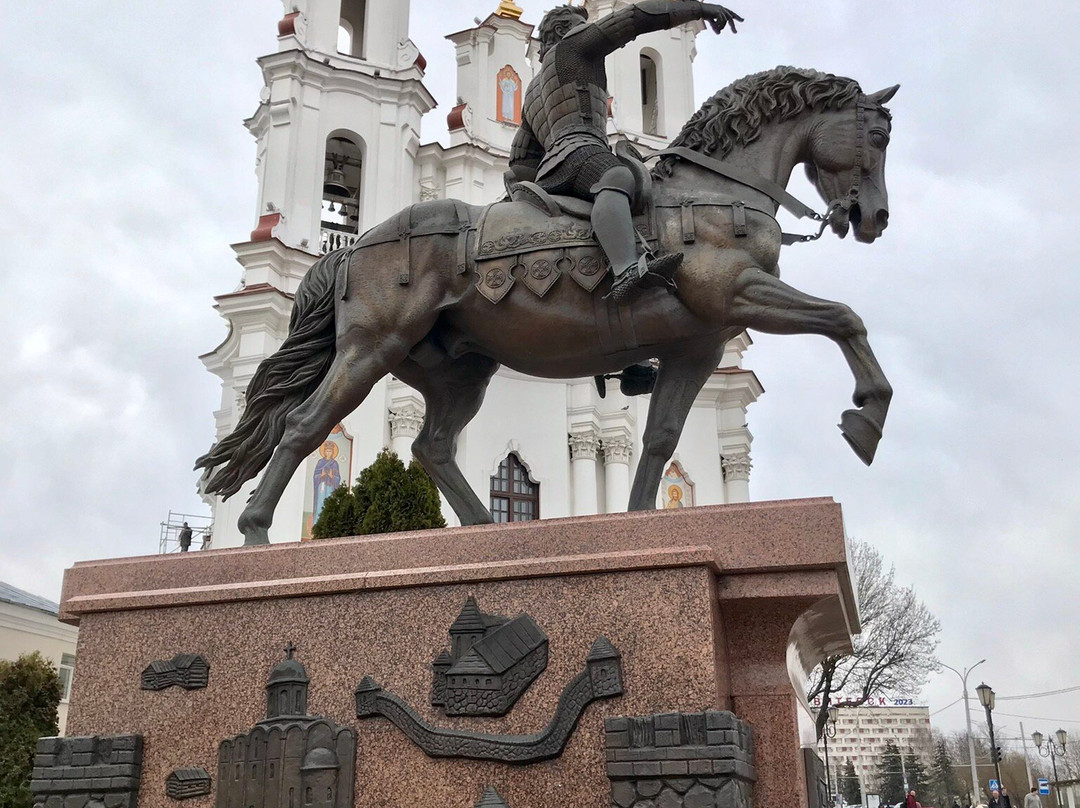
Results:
[677, 386]
[347, 383]
[765, 303]
[453, 392]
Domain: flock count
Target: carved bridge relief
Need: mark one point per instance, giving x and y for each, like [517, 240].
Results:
[491, 662]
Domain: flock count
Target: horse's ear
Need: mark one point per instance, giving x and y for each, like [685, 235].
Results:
[882, 97]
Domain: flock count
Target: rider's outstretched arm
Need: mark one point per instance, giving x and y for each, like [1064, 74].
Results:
[611, 32]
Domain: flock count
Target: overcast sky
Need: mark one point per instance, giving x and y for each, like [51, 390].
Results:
[126, 173]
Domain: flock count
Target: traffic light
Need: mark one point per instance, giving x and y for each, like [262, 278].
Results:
[996, 755]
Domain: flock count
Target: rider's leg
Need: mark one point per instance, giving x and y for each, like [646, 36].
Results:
[613, 224]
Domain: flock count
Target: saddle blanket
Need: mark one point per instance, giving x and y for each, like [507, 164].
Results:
[509, 236]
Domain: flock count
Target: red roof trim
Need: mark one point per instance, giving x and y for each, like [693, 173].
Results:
[287, 25]
[265, 228]
[254, 289]
[456, 118]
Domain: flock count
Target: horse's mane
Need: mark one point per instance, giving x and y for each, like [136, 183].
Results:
[736, 114]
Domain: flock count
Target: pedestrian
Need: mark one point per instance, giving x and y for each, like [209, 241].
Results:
[185, 538]
[1032, 799]
[207, 537]
[910, 801]
[1000, 799]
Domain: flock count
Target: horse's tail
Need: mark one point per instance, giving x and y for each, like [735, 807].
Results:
[281, 383]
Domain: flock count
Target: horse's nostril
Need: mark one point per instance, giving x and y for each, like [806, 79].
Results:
[882, 219]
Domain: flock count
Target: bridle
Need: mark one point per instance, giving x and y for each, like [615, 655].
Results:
[778, 193]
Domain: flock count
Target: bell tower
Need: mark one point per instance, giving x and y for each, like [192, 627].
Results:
[336, 133]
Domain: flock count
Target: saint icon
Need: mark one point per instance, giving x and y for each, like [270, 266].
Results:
[327, 475]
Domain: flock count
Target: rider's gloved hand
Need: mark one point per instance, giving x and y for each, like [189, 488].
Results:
[720, 18]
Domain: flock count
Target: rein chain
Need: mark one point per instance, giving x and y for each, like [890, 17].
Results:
[776, 192]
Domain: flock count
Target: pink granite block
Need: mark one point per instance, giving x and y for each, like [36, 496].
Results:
[703, 603]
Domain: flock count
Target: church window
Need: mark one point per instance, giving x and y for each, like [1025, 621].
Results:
[351, 28]
[308, 799]
[650, 97]
[508, 96]
[297, 710]
[514, 496]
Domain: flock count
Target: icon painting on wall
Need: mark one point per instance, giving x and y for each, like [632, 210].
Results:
[508, 95]
[332, 469]
[676, 490]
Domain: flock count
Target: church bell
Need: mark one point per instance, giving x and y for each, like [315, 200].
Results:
[335, 183]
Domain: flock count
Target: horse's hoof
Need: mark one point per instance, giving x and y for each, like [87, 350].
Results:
[861, 433]
[253, 534]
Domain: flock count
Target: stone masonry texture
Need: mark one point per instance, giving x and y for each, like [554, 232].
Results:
[680, 760]
[76, 772]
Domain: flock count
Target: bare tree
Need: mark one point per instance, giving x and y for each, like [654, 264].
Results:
[894, 654]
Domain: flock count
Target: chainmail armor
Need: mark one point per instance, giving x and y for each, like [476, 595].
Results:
[565, 107]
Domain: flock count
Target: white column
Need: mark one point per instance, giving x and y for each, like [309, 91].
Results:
[583, 449]
[405, 424]
[737, 476]
[617, 450]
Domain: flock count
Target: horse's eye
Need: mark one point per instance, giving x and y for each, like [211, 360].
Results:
[878, 138]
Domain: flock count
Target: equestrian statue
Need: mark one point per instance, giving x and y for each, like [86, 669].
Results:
[443, 293]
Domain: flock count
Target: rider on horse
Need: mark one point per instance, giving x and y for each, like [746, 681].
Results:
[562, 143]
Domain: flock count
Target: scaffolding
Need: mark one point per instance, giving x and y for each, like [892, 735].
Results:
[202, 530]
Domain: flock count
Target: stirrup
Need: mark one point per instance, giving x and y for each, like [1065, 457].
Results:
[661, 272]
[626, 285]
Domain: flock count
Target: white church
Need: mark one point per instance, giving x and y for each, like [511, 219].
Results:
[338, 149]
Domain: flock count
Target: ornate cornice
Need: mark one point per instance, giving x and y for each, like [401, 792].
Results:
[406, 421]
[584, 445]
[617, 450]
[736, 467]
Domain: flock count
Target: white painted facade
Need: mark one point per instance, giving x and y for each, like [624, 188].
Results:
[29, 623]
[581, 449]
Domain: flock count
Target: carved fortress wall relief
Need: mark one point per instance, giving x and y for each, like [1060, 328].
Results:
[680, 760]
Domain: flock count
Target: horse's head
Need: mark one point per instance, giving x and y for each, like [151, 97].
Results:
[846, 164]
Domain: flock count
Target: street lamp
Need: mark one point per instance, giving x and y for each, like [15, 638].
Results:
[1052, 752]
[830, 732]
[986, 699]
[971, 738]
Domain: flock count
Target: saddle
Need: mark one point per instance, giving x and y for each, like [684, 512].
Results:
[554, 204]
[510, 233]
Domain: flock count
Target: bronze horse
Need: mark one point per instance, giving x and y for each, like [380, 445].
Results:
[375, 308]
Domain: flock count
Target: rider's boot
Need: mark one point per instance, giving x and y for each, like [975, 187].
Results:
[614, 228]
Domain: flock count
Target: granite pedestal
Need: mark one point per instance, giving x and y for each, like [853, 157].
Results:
[721, 608]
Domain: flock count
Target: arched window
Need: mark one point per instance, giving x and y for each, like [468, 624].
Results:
[650, 97]
[342, 175]
[351, 28]
[344, 37]
[514, 496]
